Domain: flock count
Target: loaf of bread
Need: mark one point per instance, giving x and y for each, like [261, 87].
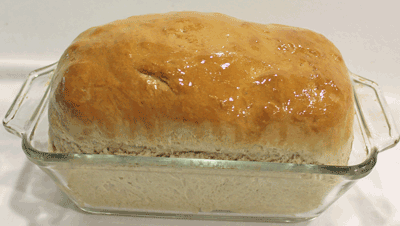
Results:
[203, 85]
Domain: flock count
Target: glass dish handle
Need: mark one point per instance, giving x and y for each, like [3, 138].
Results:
[30, 101]
[373, 111]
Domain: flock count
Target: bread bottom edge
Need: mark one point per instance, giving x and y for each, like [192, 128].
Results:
[275, 155]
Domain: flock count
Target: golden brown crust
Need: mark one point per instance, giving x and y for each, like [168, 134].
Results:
[240, 78]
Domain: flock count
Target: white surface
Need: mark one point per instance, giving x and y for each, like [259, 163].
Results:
[35, 33]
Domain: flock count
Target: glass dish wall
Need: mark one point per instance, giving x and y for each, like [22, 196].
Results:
[200, 188]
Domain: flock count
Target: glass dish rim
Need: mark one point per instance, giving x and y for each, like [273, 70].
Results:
[352, 171]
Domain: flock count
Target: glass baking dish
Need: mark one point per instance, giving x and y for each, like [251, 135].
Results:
[200, 188]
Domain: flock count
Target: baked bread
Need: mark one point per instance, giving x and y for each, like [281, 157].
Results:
[203, 85]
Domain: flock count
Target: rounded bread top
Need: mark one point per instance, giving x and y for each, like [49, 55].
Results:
[199, 68]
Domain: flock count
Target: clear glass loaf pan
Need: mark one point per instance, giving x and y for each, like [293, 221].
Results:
[200, 188]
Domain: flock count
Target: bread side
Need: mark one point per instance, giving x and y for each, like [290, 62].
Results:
[202, 85]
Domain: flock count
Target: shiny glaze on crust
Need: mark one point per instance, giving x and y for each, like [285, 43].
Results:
[195, 68]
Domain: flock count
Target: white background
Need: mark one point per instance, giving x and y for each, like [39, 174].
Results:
[35, 33]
